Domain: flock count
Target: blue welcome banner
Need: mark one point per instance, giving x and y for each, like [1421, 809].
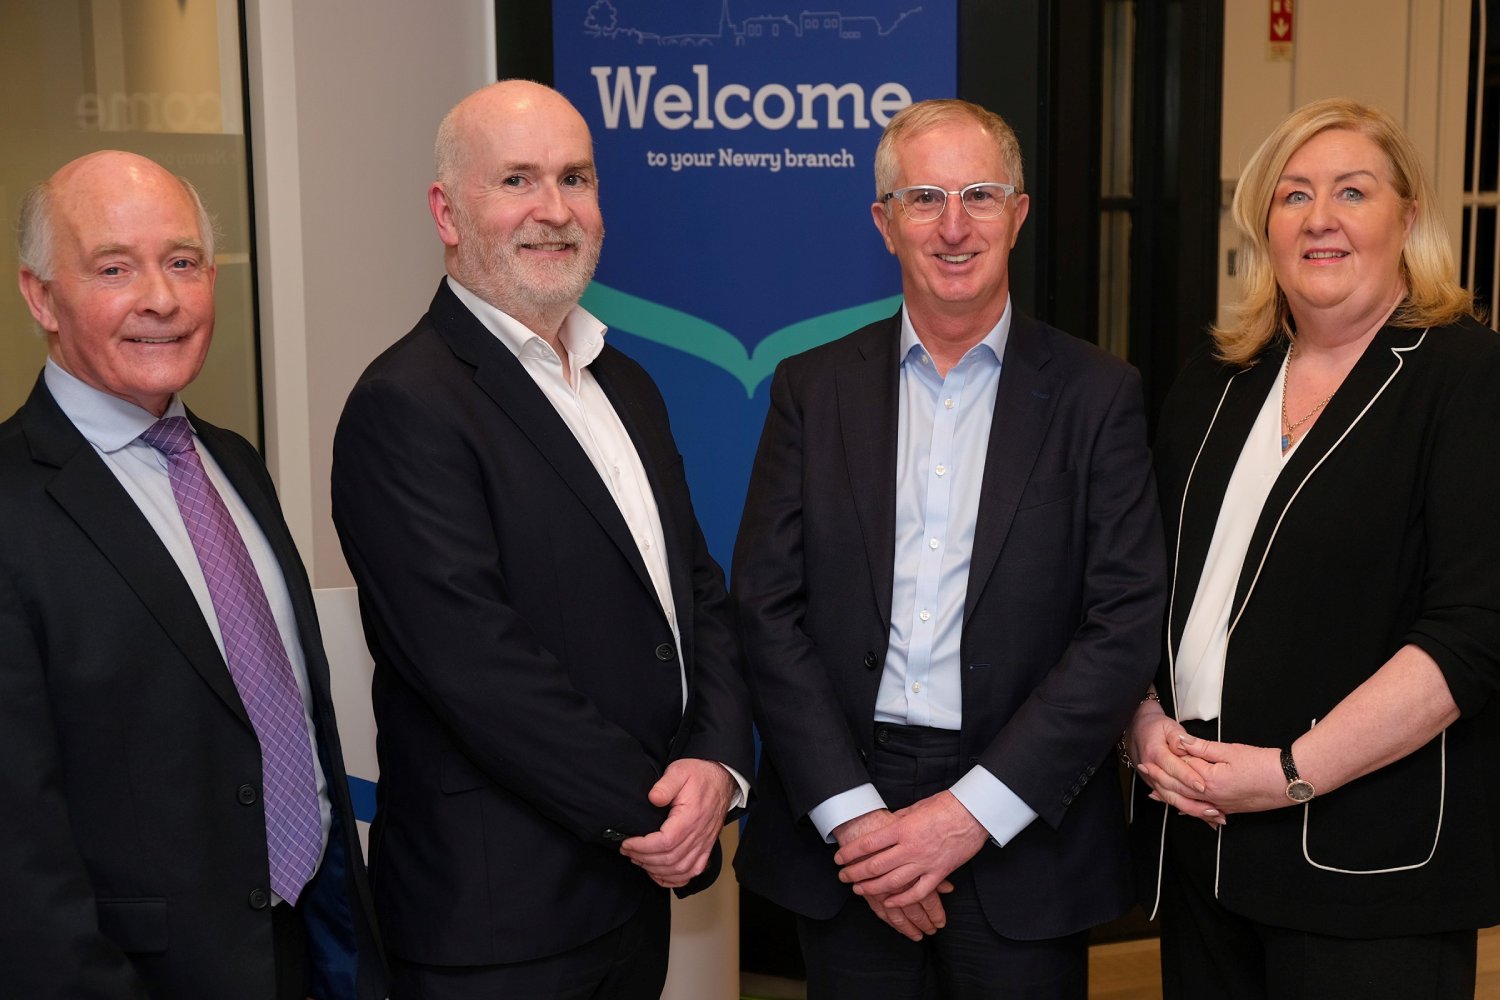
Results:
[735, 141]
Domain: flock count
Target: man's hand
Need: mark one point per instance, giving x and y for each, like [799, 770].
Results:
[913, 920]
[909, 858]
[698, 793]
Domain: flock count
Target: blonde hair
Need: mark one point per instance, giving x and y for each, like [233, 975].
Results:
[923, 116]
[1434, 297]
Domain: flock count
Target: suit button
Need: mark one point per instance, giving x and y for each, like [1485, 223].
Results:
[259, 899]
[882, 735]
[246, 795]
[666, 652]
[870, 661]
[613, 836]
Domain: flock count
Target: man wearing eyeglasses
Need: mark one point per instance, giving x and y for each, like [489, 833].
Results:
[950, 578]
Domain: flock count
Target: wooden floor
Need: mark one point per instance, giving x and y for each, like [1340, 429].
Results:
[1127, 970]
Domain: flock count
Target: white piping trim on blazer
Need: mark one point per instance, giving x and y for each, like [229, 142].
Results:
[1399, 352]
[1161, 849]
[1436, 834]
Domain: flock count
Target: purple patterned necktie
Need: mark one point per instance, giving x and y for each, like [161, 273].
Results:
[257, 662]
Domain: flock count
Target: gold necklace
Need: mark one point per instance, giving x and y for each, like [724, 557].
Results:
[1287, 426]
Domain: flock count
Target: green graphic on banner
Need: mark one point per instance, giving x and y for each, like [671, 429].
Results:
[711, 343]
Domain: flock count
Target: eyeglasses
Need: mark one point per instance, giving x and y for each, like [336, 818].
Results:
[927, 202]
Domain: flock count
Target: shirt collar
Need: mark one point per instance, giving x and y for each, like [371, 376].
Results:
[582, 333]
[107, 422]
[993, 343]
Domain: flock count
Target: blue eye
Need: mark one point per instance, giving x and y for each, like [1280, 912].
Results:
[1295, 197]
[1352, 194]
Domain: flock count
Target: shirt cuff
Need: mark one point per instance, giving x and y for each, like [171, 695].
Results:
[833, 812]
[742, 788]
[998, 809]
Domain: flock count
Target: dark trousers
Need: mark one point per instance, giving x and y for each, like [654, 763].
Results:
[1209, 951]
[857, 956]
[289, 942]
[627, 963]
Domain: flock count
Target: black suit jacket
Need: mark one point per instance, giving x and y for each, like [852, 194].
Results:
[527, 689]
[1379, 532]
[1061, 618]
[133, 839]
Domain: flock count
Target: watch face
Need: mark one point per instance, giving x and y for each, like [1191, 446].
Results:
[1299, 790]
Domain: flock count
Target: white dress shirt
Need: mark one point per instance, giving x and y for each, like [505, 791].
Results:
[1199, 664]
[581, 403]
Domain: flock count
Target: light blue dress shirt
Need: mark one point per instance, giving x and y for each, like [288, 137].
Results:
[113, 427]
[943, 434]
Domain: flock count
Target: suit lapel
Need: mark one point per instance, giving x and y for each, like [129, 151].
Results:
[868, 402]
[1372, 373]
[675, 534]
[91, 495]
[1203, 493]
[501, 376]
[1025, 401]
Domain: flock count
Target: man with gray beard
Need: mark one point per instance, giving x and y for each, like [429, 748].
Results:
[563, 727]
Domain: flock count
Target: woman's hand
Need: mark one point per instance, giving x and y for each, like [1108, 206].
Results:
[1155, 744]
[1237, 778]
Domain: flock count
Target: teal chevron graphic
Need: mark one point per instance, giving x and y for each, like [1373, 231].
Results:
[676, 329]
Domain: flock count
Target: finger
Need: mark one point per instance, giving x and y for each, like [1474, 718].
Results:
[896, 880]
[871, 843]
[923, 886]
[933, 908]
[667, 786]
[918, 918]
[897, 920]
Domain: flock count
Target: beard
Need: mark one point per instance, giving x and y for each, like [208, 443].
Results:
[498, 272]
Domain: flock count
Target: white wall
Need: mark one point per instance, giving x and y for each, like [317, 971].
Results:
[1408, 56]
[345, 99]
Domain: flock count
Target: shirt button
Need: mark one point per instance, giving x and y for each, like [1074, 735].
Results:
[916, 687]
[948, 404]
[925, 615]
[932, 543]
[926, 360]
[941, 469]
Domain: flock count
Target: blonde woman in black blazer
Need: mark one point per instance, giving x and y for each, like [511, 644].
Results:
[1323, 730]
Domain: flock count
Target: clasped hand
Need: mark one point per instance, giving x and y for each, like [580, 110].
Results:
[900, 862]
[1204, 778]
[697, 794]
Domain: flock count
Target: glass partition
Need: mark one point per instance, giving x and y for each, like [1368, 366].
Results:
[156, 77]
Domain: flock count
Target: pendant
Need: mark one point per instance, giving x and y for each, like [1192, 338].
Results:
[1286, 441]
